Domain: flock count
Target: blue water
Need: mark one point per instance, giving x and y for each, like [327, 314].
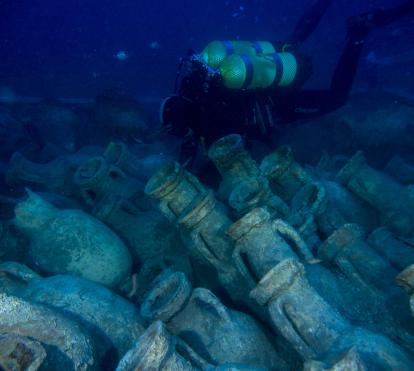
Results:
[81, 80]
[68, 48]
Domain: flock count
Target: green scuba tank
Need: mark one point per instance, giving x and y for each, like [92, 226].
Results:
[217, 51]
[244, 71]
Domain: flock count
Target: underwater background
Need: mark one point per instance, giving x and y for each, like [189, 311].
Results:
[115, 254]
[67, 49]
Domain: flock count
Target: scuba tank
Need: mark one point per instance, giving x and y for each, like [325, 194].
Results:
[217, 51]
[244, 71]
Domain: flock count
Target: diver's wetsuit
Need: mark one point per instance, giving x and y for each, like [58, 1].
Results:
[255, 113]
[309, 103]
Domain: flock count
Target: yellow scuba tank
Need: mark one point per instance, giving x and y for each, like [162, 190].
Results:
[216, 51]
[243, 71]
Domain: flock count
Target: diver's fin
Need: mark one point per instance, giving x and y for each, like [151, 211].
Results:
[361, 24]
[309, 21]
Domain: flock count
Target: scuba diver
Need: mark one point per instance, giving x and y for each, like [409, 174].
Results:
[251, 88]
